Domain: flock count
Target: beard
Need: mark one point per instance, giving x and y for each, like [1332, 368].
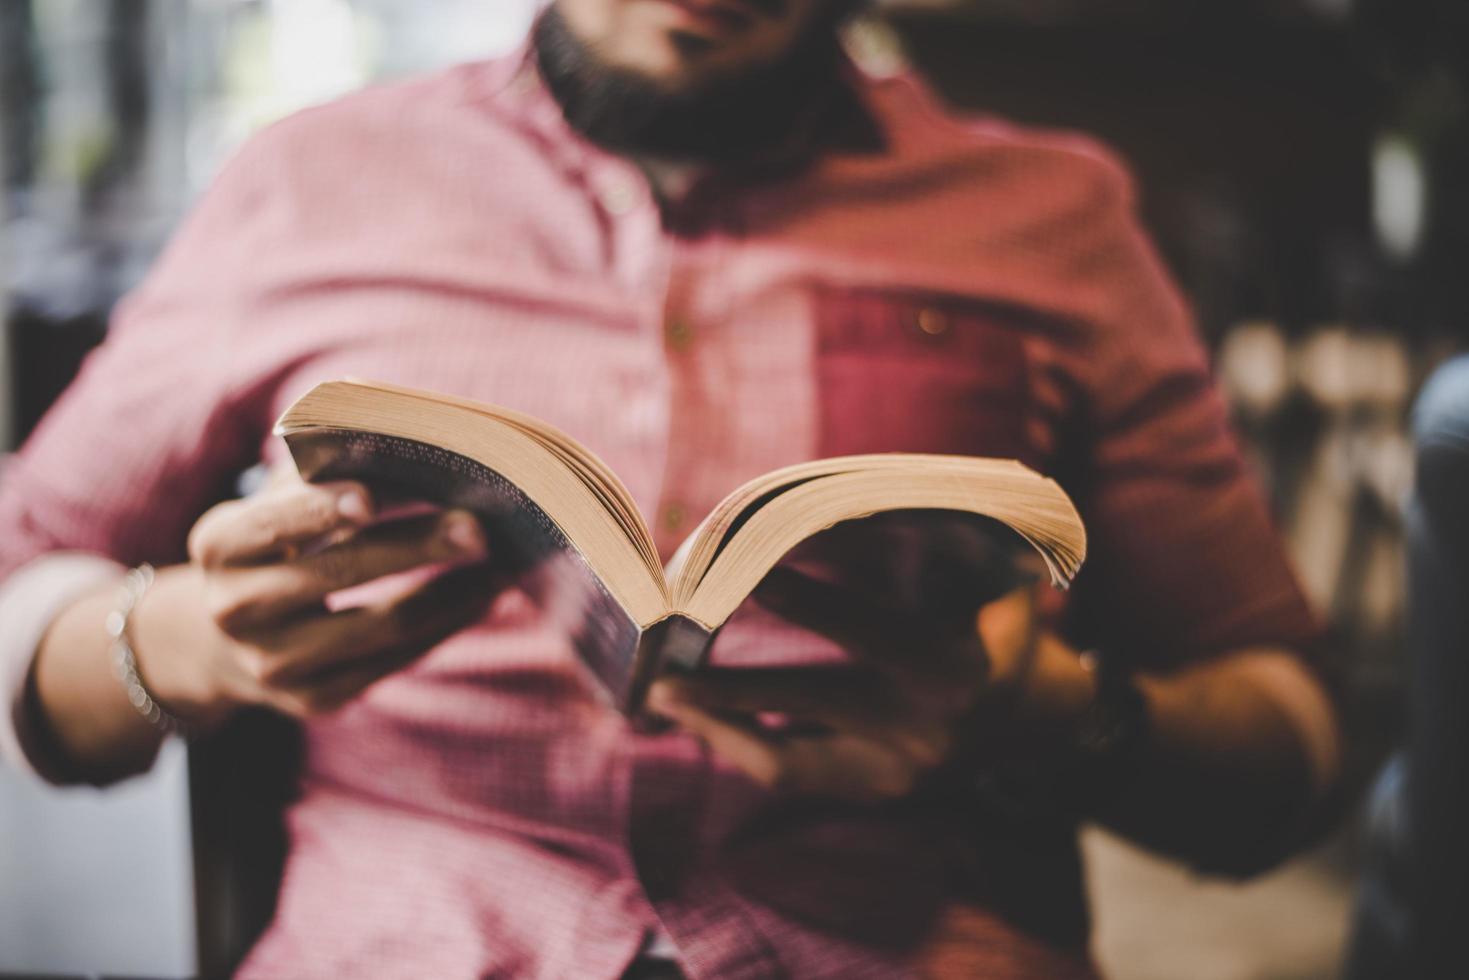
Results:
[729, 120]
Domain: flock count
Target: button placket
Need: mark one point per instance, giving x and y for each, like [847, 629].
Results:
[685, 409]
[672, 519]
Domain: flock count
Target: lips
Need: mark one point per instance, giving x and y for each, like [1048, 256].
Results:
[724, 15]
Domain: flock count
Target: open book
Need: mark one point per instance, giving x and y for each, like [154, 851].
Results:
[573, 533]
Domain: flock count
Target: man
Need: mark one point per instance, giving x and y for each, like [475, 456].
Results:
[689, 233]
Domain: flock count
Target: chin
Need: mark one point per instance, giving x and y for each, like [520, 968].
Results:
[679, 60]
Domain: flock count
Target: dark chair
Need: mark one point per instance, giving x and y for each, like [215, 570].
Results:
[240, 780]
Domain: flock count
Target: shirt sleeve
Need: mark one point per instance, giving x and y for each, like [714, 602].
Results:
[153, 429]
[1184, 559]
[160, 417]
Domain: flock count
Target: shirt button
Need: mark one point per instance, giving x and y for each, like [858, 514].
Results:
[673, 516]
[680, 334]
[931, 322]
[619, 197]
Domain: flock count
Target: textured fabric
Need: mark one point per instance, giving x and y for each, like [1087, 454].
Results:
[971, 288]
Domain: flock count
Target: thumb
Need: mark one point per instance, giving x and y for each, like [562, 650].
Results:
[1007, 629]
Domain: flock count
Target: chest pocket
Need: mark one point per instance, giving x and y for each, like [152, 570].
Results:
[915, 372]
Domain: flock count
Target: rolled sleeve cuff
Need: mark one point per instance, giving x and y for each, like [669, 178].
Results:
[30, 599]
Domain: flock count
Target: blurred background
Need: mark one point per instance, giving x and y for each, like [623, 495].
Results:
[1300, 164]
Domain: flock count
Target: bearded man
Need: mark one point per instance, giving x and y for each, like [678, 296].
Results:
[693, 235]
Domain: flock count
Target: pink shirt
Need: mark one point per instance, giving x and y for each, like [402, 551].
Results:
[972, 288]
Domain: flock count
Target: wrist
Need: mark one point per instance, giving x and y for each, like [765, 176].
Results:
[1053, 695]
[1027, 718]
[1115, 725]
[1076, 728]
[170, 639]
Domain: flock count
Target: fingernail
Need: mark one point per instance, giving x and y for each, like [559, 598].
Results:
[666, 692]
[353, 506]
[658, 696]
[463, 534]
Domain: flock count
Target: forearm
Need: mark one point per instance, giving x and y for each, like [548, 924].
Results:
[92, 728]
[90, 732]
[1237, 752]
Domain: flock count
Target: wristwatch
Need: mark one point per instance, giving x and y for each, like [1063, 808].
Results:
[1092, 763]
[1111, 731]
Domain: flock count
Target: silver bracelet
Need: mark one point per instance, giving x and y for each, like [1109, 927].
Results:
[125, 662]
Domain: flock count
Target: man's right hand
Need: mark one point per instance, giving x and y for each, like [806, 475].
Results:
[247, 621]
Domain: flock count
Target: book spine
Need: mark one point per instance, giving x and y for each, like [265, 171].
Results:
[676, 643]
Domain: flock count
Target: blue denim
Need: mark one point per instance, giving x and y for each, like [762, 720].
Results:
[1413, 908]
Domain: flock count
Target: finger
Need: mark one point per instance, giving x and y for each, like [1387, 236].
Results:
[416, 620]
[326, 696]
[851, 703]
[246, 600]
[283, 475]
[432, 621]
[842, 766]
[1007, 629]
[756, 755]
[266, 526]
[820, 695]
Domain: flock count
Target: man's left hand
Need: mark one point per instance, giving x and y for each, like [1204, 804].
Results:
[912, 700]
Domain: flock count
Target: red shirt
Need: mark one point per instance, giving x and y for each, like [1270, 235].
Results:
[972, 288]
